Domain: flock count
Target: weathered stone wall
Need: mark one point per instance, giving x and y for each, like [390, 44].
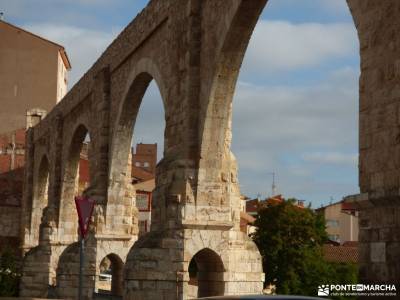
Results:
[378, 29]
[97, 104]
[67, 273]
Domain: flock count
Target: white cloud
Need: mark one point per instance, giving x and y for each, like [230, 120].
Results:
[312, 8]
[84, 46]
[316, 115]
[53, 9]
[334, 6]
[283, 46]
[298, 132]
[272, 124]
[345, 76]
[331, 158]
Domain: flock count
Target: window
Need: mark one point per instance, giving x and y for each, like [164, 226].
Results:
[146, 164]
[137, 164]
[333, 237]
[143, 201]
[332, 223]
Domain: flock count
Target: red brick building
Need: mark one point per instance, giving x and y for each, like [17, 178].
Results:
[12, 150]
[25, 98]
[12, 159]
[144, 161]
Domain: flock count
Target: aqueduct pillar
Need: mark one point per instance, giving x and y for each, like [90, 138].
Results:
[193, 49]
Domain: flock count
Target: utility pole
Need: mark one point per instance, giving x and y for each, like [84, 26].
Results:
[13, 149]
[81, 265]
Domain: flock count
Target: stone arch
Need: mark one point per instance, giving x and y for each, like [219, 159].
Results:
[67, 272]
[74, 148]
[67, 265]
[30, 259]
[216, 127]
[137, 84]
[206, 273]
[40, 196]
[114, 267]
[70, 186]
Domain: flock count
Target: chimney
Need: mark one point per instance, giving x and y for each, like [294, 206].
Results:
[34, 116]
[1, 16]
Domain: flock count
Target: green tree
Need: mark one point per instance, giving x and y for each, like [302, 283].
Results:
[9, 274]
[290, 240]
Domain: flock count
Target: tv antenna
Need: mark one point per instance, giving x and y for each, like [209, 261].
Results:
[273, 186]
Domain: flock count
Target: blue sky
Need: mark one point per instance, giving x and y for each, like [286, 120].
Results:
[296, 103]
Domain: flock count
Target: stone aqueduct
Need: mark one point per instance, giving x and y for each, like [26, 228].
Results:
[193, 49]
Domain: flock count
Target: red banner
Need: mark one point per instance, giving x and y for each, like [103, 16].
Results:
[84, 206]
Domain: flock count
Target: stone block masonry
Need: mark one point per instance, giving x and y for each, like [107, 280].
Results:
[193, 50]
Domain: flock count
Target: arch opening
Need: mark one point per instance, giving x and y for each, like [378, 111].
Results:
[41, 197]
[137, 148]
[110, 278]
[206, 274]
[302, 113]
[76, 180]
[268, 80]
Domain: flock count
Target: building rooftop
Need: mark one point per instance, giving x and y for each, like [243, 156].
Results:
[342, 254]
[349, 206]
[147, 186]
[246, 218]
[139, 174]
[253, 205]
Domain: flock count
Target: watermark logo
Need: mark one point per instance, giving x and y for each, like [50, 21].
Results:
[325, 290]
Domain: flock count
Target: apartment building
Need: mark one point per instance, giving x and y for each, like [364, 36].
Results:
[341, 221]
[33, 74]
[33, 78]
